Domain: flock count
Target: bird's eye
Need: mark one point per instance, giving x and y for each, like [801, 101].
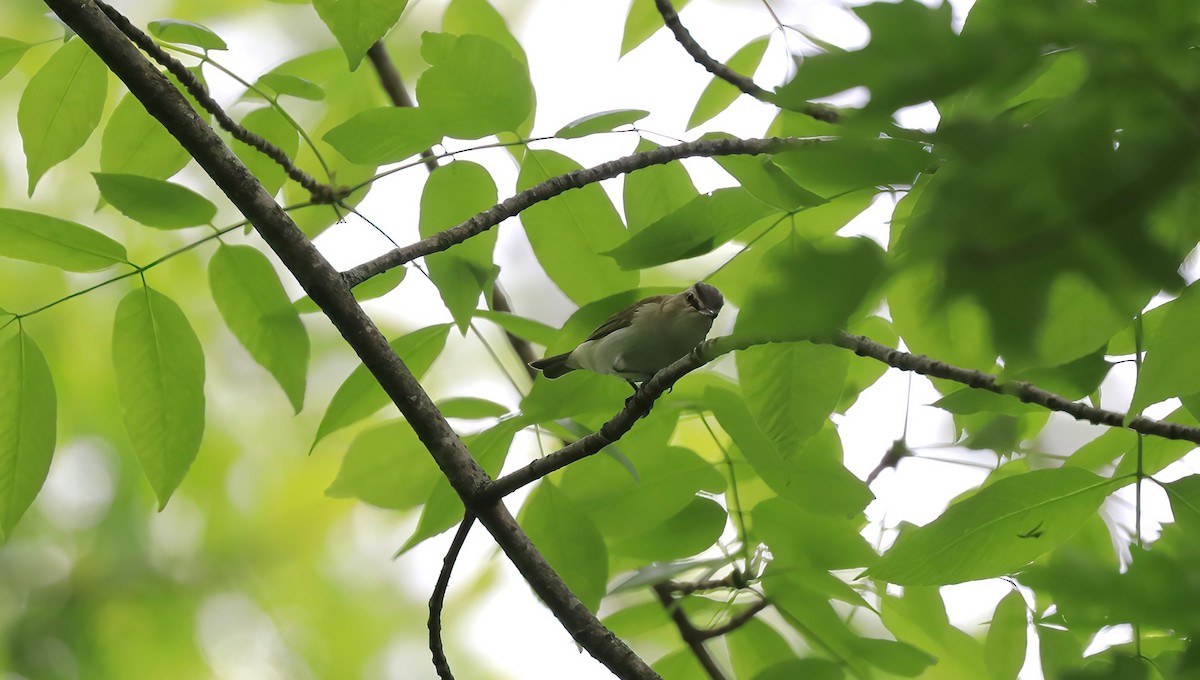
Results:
[691, 299]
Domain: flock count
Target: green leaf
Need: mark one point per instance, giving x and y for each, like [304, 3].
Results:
[360, 396]
[60, 107]
[862, 372]
[689, 532]
[256, 308]
[894, 657]
[955, 331]
[846, 270]
[699, 227]
[812, 477]
[273, 127]
[1185, 503]
[798, 538]
[28, 415]
[480, 18]
[1004, 650]
[719, 94]
[969, 400]
[159, 367]
[374, 287]
[792, 388]
[135, 143]
[652, 193]
[569, 541]
[1172, 364]
[809, 669]
[386, 135]
[471, 408]
[845, 164]
[997, 531]
[1159, 452]
[754, 646]
[295, 86]
[444, 508]
[810, 613]
[59, 243]
[533, 331]
[357, 24]
[11, 52]
[642, 22]
[918, 617]
[466, 70]
[568, 231]
[386, 466]
[600, 122]
[767, 182]
[186, 33]
[453, 194]
[155, 202]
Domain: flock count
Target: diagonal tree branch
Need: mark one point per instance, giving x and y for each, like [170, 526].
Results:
[326, 286]
[571, 180]
[741, 82]
[438, 598]
[690, 634]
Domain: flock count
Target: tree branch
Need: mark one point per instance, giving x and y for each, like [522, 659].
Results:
[557, 185]
[735, 622]
[326, 286]
[690, 634]
[741, 82]
[438, 598]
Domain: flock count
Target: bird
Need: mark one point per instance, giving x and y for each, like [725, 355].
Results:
[645, 337]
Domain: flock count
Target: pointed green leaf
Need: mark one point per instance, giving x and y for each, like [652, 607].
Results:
[1004, 650]
[386, 466]
[386, 135]
[569, 541]
[849, 163]
[295, 86]
[28, 414]
[691, 531]
[273, 127]
[154, 202]
[809, 669]
[768, 183]
[11, 52]
[919, 618]
[59, 243]
[135, 143]
[533, 331]
[568, 231]
[256, 308]
[600, 122]
[792, 388]
[705, 223]
[159, 367]
[61, 107]
[1185, 503]
[642, 22]
[471, 408]
[997, 531]
[361, 396]
[186, 33]
[357, 24]
[453, 194]
[798, 538]
[466, 70]
[1171, 368]
[719, 94]
[481, 18]
[652, 193]
[374, 287]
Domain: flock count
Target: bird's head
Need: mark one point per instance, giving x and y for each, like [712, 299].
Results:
[702, 299]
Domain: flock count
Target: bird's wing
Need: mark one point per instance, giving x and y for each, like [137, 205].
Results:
[623, 318]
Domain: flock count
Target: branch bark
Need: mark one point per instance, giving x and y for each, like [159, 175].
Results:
[326, 286]
[690, 634]
[438, 598]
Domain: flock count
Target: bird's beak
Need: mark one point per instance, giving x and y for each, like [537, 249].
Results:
[710, 313]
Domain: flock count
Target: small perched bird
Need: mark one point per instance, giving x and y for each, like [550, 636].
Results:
[638, 341]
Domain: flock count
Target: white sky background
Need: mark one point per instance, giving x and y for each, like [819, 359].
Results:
[573, 49]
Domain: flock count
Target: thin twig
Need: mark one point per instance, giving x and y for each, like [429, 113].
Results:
[734, 622]
[438, 599]
[741, 82]
[690, 634]
[572, 180]
[389, 78]
[689, 587]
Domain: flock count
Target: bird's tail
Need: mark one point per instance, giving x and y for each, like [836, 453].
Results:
[553, 367]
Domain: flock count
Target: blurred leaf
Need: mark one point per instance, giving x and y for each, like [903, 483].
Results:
[918, 617]
[386, 466]
[600, 122]
[386, 135]
[374, 287]
[159, 367]
[28, 417]
[893, 656]
[766, 182]
[533, 331]
[11, 52]
[863, 372]
[1184, 494]
[471, 408]
[754, 646]
[569, 541]
[1102, 450]
[718, 94]
[969, 400]
[186, 33]
[791, 388]
[642, 22]
[568, 231]
[836, 166]
[295, 86]
[480, 18]
[1073, 380]
[809, 669]
[957, 331]
[997, 531]
[1159, 452]
[798, 538]
[689, 532]
[357, 24]
[1123, 342]
[154, 202]
[453, 194]
[135, 143]
[273, 127]
[1170, 367]
[361, 396]
[465, 70]
[256, 308]
[60, 107]
[1004, 650]
[58, 243]
[661, 573]
[652, 193]
[702, 225]
[811, 614]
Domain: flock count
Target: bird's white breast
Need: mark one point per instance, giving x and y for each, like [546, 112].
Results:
[653, 341]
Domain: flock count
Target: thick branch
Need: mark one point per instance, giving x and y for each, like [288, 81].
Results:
[691, 636]
[741, 82]
[557, 185]
[326, 286]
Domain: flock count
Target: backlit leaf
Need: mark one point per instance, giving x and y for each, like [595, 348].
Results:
[1170, 368]
[11, 52]
[642, 22]
[1004, 650]
[386, 466]
[186, 33]
[464, 71]
[374, 287]
[357, 24]
[652, 193]
[569, 541]
[600, 122]
[295, 86]
[154, 202]
[791, 388]
[719, 94]
[59, 243]
[273, 127]
[28, 415]
[386, 135]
